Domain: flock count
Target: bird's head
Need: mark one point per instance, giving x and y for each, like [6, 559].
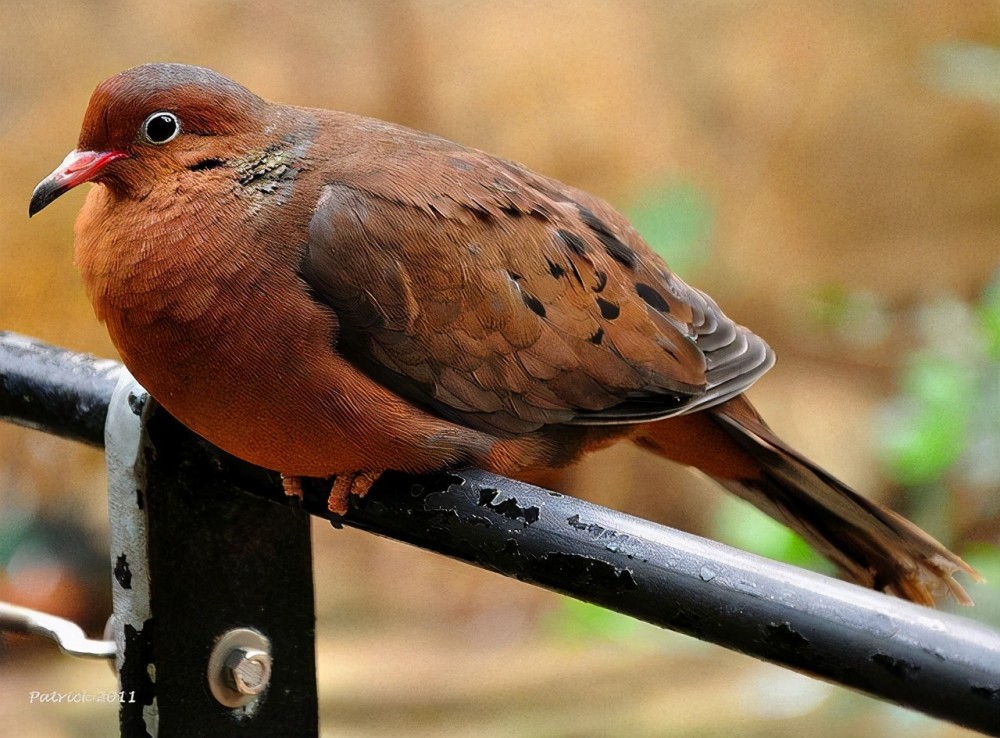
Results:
[150, 120]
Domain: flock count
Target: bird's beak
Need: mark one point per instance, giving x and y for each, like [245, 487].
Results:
[77, 167]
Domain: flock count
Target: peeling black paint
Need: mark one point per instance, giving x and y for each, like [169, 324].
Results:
[510, 548]
[991, 694]
[687, 622]
[575, 522]
[508, 507]
[784, 635]
[123, 574]
[136, 678]
[585, 571]
[136, 402]
[899, 668]
[613, 540]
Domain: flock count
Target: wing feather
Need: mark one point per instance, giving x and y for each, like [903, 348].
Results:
[507, 301]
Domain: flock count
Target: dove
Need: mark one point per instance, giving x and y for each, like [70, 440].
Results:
[328, 295]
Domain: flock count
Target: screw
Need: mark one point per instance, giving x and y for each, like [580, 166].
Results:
[248, 670]
[239, 667]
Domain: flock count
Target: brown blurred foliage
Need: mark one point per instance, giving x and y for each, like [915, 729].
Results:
[820, 133]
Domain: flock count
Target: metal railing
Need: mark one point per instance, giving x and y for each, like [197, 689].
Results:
[206, 548]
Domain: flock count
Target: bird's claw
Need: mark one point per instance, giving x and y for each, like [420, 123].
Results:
[292, 486]
[346, 485]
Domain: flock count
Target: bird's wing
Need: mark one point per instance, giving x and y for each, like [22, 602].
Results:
[506, 301]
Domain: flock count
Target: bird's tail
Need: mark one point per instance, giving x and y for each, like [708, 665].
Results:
[873, 545]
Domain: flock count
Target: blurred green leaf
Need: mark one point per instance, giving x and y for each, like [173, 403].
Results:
[927, 433]
[941, 432]
[985, 558]
[581, 621]
[743, 526]
[989, 317]
[946, 410]
[676, 220]
[859, 317]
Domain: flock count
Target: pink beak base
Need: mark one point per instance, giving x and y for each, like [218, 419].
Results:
[76, 168]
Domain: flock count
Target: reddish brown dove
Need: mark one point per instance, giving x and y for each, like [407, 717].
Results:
[324, 294]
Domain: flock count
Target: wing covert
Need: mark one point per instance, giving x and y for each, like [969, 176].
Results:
[506, 301]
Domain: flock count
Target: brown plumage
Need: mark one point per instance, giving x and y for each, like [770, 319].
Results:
[325, 294]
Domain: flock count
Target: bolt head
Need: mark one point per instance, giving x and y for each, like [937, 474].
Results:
[239, 667]
[248, 670]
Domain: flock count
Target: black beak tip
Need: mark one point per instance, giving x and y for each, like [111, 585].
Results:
[44, 194]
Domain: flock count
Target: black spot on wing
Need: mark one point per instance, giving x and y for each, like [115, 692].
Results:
[598, 337]
[615, 248]
[533, 303]
[609, 311]
[576, 272]
[602, 281]
[554, 269]
[573, 241]
[652, 298]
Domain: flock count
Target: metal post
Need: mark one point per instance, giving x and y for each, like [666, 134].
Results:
[213, 598]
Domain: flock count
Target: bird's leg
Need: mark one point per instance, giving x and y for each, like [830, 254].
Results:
[345, 485]
[292, 486]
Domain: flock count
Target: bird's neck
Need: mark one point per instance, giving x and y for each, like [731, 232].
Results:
[182, 262]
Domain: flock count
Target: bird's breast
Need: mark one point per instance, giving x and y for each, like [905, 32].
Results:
[209, 313]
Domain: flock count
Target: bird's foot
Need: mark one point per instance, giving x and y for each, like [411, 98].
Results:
[345, 485]
[292, 486]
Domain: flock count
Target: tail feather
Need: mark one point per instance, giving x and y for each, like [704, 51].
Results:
[873, 545]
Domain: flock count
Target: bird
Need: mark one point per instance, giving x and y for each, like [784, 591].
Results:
[329, 295]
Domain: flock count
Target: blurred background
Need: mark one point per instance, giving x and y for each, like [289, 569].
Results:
[829, 172]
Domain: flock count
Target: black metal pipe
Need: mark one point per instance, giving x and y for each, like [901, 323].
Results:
[940, 664]
[944, 665]
[55, 390]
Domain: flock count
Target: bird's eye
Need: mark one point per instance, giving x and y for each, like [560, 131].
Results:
[161, 127]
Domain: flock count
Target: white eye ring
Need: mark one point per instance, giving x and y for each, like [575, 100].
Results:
[161, 127]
